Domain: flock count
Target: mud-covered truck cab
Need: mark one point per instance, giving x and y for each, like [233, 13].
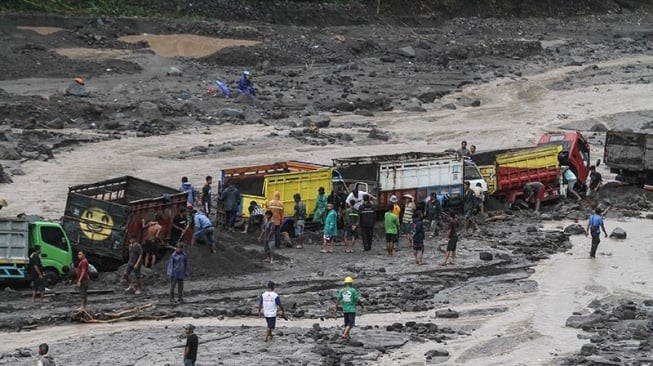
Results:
[18, 238]
[629, 155]
[100, 216]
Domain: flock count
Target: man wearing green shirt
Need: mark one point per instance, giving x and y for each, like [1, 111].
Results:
[348, 298]
[391, 230]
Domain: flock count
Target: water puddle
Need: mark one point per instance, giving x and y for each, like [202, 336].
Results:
[81, 53]
[44, 31]
[186, 45]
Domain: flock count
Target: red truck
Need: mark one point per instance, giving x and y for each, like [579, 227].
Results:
[506, 171]
[575, 152]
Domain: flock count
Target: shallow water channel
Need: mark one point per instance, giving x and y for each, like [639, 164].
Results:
[529, 330]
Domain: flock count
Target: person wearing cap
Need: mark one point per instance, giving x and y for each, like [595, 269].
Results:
[269, 301]
[177, 272]
[36, 269]
[348, 297]
[190, 351]
[245, 84]
[391, 230]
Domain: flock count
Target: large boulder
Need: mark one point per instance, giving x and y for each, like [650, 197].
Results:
[407, 51]
[7, 152]
[575, 229]
[583, 321]
[618, 233]
[149, 111]
[436, 353]
[446, 313]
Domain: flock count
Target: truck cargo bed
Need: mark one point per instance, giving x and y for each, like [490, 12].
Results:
[99, 216]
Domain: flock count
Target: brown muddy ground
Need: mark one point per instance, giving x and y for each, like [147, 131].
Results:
[373, 87]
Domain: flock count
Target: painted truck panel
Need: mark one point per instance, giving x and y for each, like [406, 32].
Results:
[258, 183]
[14, 242]
[630, 156]
[99, 216]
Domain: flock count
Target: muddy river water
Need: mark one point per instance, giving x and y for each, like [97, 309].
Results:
[529, 331]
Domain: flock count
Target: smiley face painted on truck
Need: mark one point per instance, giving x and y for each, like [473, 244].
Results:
[96, 224]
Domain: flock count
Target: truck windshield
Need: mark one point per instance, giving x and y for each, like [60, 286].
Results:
[54, 236]
[471, 173]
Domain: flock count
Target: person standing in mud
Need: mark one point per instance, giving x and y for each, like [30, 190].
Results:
[82, 279]
[367, 219]
[396, 209]
[330, 229]
[418, 238]
[469, 204]
[192, 342]
[407, 219]
[44, 358]
[206, 195]
[203, 229]
[594, 226]
[269, 301]
[452, 235]
[256, 216]
[299, 216]
[152, 239]
[351, 225]
[391, 230]
[36, 270]
[231, 200]
[276, 206]
[267, 234]
[177, 272]
[433, 213]
[348, 298]
[134, 265]
[321, 202]
[593, 187]
[179, 227]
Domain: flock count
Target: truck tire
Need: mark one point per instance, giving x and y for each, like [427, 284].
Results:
[51, 277]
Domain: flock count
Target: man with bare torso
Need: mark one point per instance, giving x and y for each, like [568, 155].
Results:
[152, 239]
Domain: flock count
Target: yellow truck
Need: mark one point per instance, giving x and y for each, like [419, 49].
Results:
[258, 183]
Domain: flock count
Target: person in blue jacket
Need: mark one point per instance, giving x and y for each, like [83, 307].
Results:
[177, 272]
[245, 84]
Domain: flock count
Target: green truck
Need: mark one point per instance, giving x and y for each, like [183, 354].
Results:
[17, 240]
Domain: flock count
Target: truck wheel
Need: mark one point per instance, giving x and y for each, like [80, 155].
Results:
[51, 277]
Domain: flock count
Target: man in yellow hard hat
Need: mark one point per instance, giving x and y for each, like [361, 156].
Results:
[348, 297]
